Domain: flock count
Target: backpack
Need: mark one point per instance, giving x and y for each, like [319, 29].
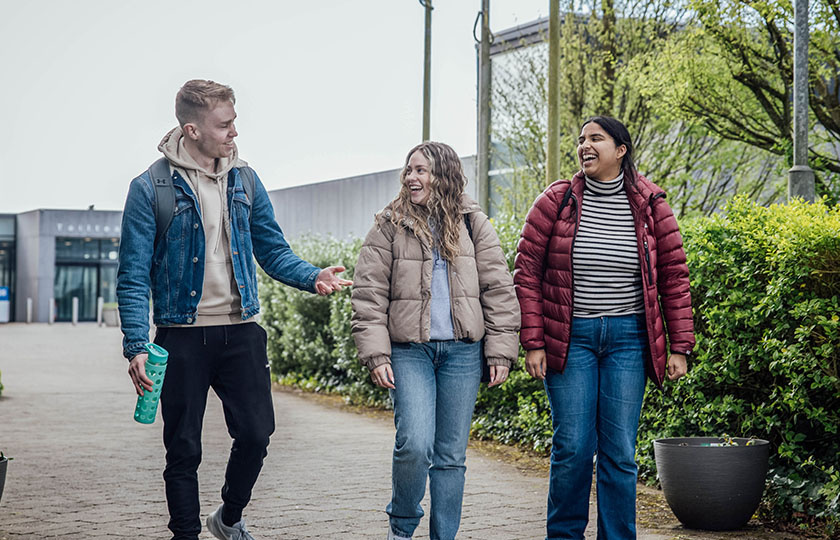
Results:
[566, 196]
[165, 193]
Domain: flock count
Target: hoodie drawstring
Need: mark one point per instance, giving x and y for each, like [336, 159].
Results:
[221, 184]
[204, 334]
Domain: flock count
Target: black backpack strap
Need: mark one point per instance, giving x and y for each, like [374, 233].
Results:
[248, 181]
[246, 174]
[565, 200]
[468, 223]
[164, 196]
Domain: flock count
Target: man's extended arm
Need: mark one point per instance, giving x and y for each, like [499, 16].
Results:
[276, 257]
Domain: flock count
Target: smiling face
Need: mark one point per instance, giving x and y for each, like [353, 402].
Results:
[598, 155]
[214, 132]
[418, 178]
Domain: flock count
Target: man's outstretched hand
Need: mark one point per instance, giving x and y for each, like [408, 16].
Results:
[328, 282]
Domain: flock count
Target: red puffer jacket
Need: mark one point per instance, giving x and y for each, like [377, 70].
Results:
[544, 277]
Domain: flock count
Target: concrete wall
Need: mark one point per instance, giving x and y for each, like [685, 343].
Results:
[343, 207]
[28, 245]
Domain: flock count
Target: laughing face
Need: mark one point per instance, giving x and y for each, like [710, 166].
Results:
[418, 178]
[598, 155]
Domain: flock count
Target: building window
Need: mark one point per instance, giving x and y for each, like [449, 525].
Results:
[7, 258]
[86, 268]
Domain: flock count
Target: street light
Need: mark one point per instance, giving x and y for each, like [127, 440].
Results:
[484, 81]
[427, 68]
[552, 165]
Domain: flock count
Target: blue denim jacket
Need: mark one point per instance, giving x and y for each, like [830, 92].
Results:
[174, 269]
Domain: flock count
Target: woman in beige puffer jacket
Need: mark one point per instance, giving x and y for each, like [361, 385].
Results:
[432, 286]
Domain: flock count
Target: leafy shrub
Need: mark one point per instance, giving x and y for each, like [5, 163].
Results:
[1, 383]
[765, 286]
[309, 341]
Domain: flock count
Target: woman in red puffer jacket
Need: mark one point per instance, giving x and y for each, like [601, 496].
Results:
[601, 280]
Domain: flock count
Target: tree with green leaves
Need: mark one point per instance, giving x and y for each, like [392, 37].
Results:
[731, 69]
[603, 48]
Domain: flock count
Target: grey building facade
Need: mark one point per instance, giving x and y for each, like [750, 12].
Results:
[52, 256]
[62, 254]
[344, 207]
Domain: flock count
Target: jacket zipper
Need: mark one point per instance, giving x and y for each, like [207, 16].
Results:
[572, 255]
[647, 257]
[456, 328]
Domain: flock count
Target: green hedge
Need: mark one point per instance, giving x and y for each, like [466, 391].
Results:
[309, 341]
[765, 285]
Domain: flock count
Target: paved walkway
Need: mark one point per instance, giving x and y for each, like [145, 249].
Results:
[84, 469]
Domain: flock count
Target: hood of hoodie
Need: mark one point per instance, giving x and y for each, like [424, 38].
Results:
[172, 146]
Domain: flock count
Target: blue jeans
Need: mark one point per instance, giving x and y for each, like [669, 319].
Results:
[595, 407]
[436, 386]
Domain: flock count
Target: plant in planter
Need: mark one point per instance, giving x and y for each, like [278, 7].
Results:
[712, 483]
[4, 462]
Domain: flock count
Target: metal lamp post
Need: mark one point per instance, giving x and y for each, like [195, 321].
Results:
[427, 68]
[552, 165]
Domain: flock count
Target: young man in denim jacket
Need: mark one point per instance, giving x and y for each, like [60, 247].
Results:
[203, 282]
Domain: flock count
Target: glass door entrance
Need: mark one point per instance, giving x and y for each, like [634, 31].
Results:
[86, 268]
[79, 281]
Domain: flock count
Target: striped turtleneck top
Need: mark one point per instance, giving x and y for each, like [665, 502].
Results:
[607, 270]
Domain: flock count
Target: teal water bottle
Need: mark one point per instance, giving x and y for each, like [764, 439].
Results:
[147, 404]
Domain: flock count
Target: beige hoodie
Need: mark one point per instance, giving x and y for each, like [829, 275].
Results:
[220, 301]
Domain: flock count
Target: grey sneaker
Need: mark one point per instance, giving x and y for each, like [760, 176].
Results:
[222, 531]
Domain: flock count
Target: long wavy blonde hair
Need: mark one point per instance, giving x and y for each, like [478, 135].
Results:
[443, 208]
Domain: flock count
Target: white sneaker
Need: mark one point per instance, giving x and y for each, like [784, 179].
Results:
[392, 536]
[222, 531]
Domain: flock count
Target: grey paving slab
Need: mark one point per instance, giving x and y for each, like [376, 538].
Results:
[83, 469]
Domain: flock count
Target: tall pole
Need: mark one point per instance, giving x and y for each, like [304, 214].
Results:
[552, 165]
[427, 69]
[800, 176]
[483, 158]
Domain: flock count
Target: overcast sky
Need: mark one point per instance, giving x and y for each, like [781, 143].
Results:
[325, 88]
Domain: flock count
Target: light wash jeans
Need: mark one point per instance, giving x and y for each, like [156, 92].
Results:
[436, 387]
[595, 407]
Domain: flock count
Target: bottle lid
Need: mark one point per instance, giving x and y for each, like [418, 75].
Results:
[157, 354]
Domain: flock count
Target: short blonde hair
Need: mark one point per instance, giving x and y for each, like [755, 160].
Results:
[197, 96]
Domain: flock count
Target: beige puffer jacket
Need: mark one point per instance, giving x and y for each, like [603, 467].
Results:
[392, 290]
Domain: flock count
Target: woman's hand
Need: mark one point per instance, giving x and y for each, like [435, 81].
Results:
[383, 376]
[498, 375]
[677, 366]
[535, 363]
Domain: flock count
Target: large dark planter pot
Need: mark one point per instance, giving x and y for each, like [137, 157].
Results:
[715, 488]
[4, 462]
